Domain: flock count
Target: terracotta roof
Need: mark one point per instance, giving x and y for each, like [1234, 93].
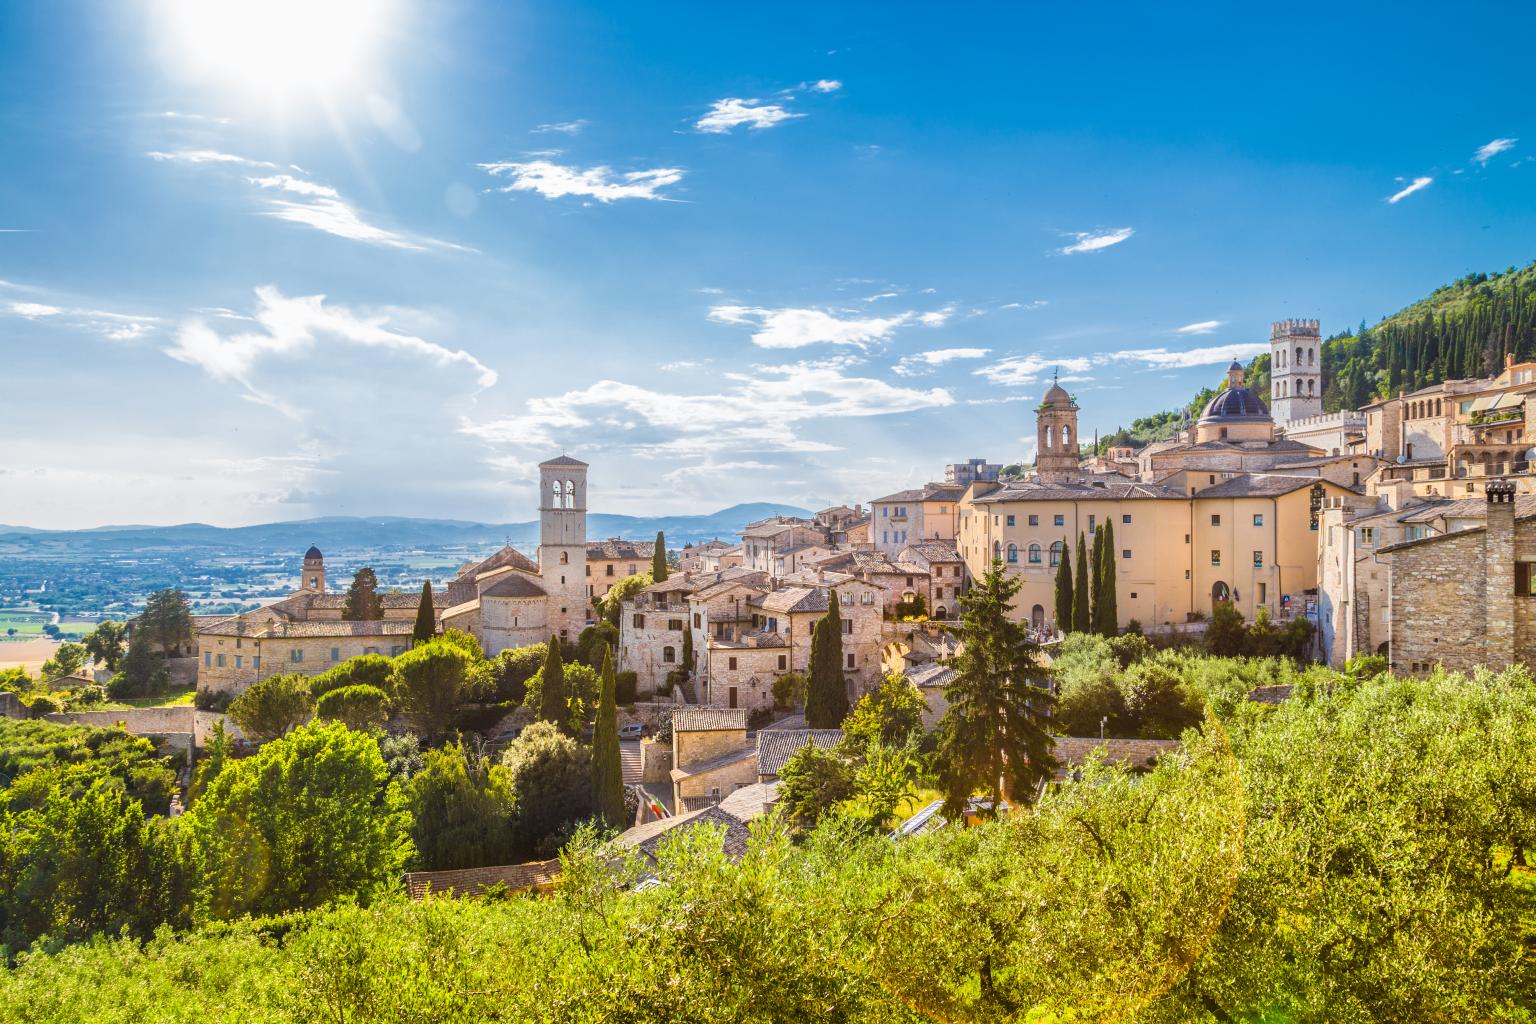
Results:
[935, 551]
[537, 875]
[616, 548]
[708, 719]
[751, 802]
[648, 838]
[513, 585]
[562, 460]
[705, 767]
[927, 492]
[1137, 755]
[930, 676]
[776, 746]
[336, 601]
[508, 555]
[268, 628]
[1250, 485]
[1127, 491]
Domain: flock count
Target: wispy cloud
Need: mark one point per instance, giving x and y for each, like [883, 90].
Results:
[1035, 304]
[287, 328]
[206, 156]
[1094, 241]
[733, 112]
[756, 411]
[181, 115]
[1416, 185]
[922, 362]
[1163, 358]
[798, 327]
[562, 127]
[826, 85]
[1019, 371]
[555, 181]
[1202, 327]
[1488, 150]
[110, 325]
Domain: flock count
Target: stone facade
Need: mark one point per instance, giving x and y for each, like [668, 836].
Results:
[1296, 370]
[238, 654]
[1464, 599]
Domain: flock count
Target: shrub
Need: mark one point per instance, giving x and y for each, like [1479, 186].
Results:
[363, 670]
[551, 781]
[272, 707]
[357, 707]
[759, 717]
[511, 669]
[625, 687]
[41, 704]
[462, 809]
[789, 690]
[88, 695]
[213, 700]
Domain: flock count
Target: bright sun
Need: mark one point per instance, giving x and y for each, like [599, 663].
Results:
[275, 49]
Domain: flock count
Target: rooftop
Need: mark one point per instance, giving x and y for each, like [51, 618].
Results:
[648, 838]
[776, 746]
[709, 719]
[537, 875]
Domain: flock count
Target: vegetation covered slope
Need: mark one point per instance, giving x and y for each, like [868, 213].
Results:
[1349, 856]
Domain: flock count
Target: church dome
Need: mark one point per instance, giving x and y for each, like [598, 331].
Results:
[1236, 405]
[1057, 395]
[313, 554]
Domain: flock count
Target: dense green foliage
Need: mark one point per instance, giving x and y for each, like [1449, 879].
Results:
[166, 621]
[107, 643]
[39, 758]
[789, 690]
[363, 670]
[550, 702]
[426, 616]
[362, 603]
[512, 668]
[1082, 593]
[607, 768]
[363, 708]
[1106, 607]
[273, 706]
[429, 681]
[462, 811]
[610, 605]
[993, 738]
[826, 698]
[891, 714]
[142, 672]
[1064, 596]
[551, 779]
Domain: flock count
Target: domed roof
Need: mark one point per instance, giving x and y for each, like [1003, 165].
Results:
[1057, 395]
[1235, 405]
[313, 554]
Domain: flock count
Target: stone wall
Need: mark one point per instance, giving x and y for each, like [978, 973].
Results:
[252, 660]
[655, 763]
[1437, 603]
[691, 748]
[176, 726]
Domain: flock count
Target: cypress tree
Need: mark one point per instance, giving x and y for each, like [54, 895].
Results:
[1106, 614]
[826, 701]
[1096, 563]
[1064, 588]
[426, 617]
[1082, 597]
[607, 770]
[553, 707]
[687, 649]
[659, 559]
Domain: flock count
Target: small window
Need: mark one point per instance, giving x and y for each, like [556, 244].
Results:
[335, 653]
[1258, 519]
[1525, 579]
[1061, 520]
[1092, 524]
[297, 655]
[1126, 519]
[1215, 520]
[1013, 555]
[1215, 557]
[1034, 554]
[1125, 553]
[1057, 547]
[609, 568]
[1034, 520]
[256, 662]
[370, 650]
[847, 627]
[730, 663]
[676, 625]
[633, 570]
[239, 661]
[783, 662]
[850, 660]
[698, 620]
[1367, 535]
[669, 654]
[1010, 521]
[565, 558]
[220, 661]
[1258, 559]
[207, 659]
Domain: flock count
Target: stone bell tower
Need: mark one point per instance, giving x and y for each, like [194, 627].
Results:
[1295, 370]
[1057, 457]
[563, 542]
[313, 580]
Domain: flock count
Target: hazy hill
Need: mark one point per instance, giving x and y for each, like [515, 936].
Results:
[342, 533]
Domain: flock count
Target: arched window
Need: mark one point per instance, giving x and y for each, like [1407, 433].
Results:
[1034, 554]
[1311, 357]
[669, 654]
[1066, 436]
[1057, 547]
[1013, 554]
[1298, 355]
[570, 494]
[556, 488]
[1311, 387]
[997, 549]
[565, 557]
[1050, 438]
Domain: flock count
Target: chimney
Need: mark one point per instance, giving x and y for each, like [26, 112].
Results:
[1499, 574]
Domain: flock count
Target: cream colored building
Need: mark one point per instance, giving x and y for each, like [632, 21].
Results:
[913, 516]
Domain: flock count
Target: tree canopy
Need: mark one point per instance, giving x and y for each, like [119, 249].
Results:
[362, 603]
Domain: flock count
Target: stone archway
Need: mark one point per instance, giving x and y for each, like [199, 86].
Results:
[1220, 592]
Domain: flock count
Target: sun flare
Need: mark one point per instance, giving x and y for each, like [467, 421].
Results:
[273, 49]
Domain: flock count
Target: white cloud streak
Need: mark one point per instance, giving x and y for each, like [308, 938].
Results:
[734, 112]
[556, 181]
[1416, 185]
[110, 325]
[562, 127]
[1488, 150]
[1020, 371]
[206, 156]
[1164, 359]
[923, 362]
[799, 327]
[1203, 327]
[1095, 241]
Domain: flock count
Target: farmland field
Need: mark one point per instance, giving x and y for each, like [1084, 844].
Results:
[25, 623]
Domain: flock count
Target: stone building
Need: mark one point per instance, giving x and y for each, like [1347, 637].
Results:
[710, 755]
[1466, 598]
[609, 561]
[914, 515]
[1057, 454]
[1295, 370]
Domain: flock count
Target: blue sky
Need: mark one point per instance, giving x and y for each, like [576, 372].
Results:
[272, 260]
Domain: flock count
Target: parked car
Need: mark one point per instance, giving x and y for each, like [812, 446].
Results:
[631, 731]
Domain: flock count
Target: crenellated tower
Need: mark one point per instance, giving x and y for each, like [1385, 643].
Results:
[563, 542]
[1295, 370]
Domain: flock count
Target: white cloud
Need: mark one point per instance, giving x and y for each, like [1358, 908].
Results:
[206, 156]
[826, 85]
[755, 411]
[1094, 241]
[563, 127]
[1203, 327]
[554, 181]
[33, 310]
[1036, 304]
[1488, 150]
[797, 328]
[1163, 359]
[678, 365]
[288, 183]
[920, 362]
[732, 113]
[290, 327]
[110, 325]
[1019, 371]
[1417, 184]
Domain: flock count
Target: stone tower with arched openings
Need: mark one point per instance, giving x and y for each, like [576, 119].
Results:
[1058, 457]
[1295, 370]
[313, 580]
[563, 542]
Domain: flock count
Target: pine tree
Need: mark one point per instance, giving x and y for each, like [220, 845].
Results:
[426, 616]
[826, 701]
[607, 769]
[553, 707]
[995, 730]
[659, 559]
[1106, 614]
[362, 603]
[1082, 596]
[1064, 588]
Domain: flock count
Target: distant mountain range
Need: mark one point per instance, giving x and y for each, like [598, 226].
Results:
[344, 533]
